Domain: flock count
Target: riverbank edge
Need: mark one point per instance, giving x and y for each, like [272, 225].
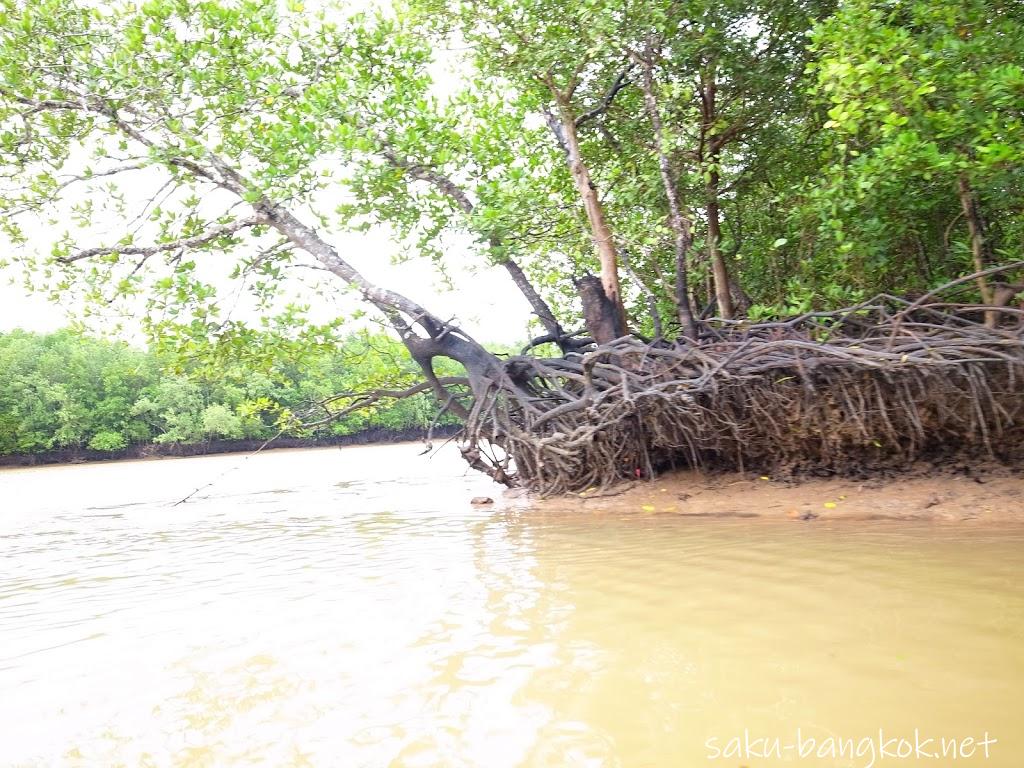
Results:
[370, 436]
[982, 493]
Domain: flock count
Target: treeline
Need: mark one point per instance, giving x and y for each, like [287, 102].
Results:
[65, 390]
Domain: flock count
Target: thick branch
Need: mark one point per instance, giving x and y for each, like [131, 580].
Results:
[438, 180]
[602, 106]
[446, 186]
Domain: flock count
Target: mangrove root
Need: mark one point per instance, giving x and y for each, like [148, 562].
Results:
[871, 387]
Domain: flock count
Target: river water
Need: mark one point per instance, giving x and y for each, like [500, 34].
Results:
[351, 608]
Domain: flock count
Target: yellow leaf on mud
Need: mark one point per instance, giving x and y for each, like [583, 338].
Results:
[830, 505]
[647, 508]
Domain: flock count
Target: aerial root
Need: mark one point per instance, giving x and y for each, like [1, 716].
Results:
[868, 388]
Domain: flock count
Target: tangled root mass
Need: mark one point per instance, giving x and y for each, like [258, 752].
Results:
[871, 387]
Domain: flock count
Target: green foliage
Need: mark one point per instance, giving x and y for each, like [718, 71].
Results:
[918, 96]
[62, 390]
[108, 442]
[65, 390]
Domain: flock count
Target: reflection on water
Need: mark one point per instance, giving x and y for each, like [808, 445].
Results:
[350, 608]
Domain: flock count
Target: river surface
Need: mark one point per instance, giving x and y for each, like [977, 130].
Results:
[351, 608]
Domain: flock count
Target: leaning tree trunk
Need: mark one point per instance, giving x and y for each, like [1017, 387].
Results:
[555, 332]
[441, 339]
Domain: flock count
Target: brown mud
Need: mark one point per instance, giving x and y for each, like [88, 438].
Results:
[961, 493]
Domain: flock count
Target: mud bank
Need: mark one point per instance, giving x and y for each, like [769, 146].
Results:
[956, 494]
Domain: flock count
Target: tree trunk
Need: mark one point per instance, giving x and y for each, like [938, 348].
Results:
[599, 229]
[723, 294]
[741, 301]
[681, 227]
[710, 147]
[599, 313]
[976, 232]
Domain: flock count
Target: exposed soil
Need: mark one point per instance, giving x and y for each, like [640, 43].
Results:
[955, 494]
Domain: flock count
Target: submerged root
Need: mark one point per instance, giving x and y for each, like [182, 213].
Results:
[872, 387]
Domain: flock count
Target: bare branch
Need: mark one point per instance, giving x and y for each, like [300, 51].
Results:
[606, 101]
[92, 105]
[67, 182]
[173, 245]
[361, 400]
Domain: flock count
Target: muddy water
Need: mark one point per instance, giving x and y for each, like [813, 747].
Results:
[350, 608]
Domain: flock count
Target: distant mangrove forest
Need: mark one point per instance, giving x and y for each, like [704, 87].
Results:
[68, 392]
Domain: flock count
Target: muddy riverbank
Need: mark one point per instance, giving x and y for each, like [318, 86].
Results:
[956, 494]
[211, 447]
